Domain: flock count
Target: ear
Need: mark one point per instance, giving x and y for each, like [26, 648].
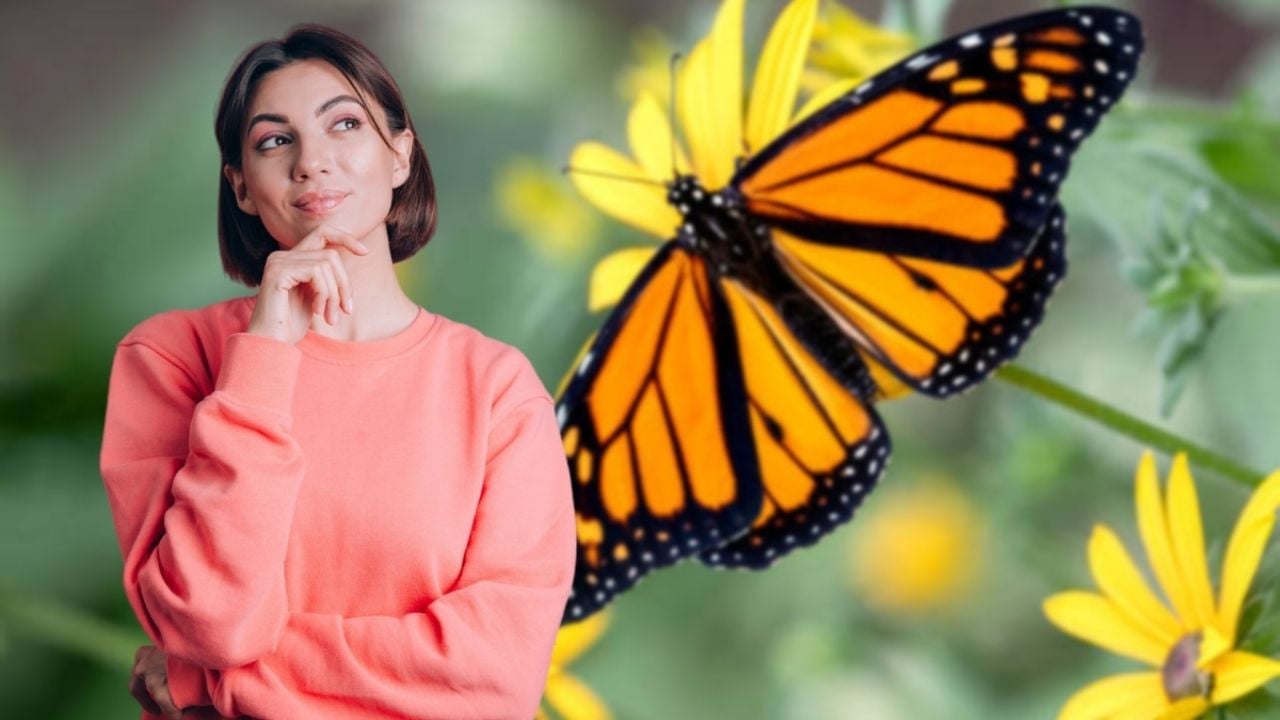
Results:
[236, 178]
[403, 146]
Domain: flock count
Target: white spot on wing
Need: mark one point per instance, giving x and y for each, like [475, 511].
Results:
[922, 60]
[972, 40]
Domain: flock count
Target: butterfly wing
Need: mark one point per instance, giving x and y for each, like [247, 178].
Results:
[941, 328]
[656, 433]
[821, 448]
[955, 154]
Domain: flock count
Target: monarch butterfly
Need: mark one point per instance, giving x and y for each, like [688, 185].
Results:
[724, 410]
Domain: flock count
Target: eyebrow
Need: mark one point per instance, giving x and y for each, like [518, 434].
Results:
[282, 119]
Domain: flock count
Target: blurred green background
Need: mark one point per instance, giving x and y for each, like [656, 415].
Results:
[1170, 311]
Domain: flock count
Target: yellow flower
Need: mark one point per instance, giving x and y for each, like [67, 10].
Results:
[848, 49]
[919, 549]
[652, 72]
[567, 696]
[709, 104]
[531, 200]
[1192, 640]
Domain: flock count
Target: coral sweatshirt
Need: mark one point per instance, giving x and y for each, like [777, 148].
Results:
[333, 529]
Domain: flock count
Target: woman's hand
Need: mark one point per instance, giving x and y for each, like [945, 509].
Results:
[307, 279]
[149, 684]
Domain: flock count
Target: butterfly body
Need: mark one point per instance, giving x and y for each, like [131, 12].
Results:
[733, 245]
[907, 234]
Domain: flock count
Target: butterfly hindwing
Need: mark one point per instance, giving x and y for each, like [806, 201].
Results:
[821, 448]
[955, 154]
[656, 432]
[941, 328]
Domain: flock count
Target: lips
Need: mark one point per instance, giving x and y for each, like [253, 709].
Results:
[319, 202]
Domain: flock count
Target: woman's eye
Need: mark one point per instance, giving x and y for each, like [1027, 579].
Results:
[264, 146]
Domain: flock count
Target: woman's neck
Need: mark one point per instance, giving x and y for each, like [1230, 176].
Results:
[381, 308]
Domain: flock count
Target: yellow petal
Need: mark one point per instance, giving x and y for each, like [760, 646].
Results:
[1212, 645]
[711, 98]
[1105, 698]
[695, 113]
[823, 97]
[1238, 673]
[577, 637]
[1121, 581]
[573, 700]
[773, 91]
[613, 275]
[638, 204]
[1187, 535]
[1097, 620]
[1155, 537]
[1244, 552]
[1186, 709]
[649, 133]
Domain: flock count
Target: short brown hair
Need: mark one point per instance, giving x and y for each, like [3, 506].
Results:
[244, 240]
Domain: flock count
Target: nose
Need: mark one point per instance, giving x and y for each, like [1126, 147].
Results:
[313, 159]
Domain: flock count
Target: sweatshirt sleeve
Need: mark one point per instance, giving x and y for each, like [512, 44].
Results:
[480, 650]
[202, 492]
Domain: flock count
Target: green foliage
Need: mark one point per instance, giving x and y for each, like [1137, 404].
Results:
[1194, 244]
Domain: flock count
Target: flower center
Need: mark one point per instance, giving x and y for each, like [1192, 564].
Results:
[1179, 674]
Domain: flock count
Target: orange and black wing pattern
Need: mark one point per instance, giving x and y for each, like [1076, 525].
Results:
[654, 420]
[820, 447]
[956, 154]
[941, 328]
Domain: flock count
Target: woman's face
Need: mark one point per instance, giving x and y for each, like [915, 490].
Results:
[307, 138]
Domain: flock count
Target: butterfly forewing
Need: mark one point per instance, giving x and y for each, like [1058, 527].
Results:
[955, 154]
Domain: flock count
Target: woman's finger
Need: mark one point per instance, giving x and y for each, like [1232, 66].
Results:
[331, 308]
[138, 690]
[344, 284]
[326, 234]
[158, 686]
[317, 290]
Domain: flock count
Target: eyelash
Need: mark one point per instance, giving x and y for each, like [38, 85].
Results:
[263, 141]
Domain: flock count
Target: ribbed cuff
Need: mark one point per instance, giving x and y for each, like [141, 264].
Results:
[259, 370]
[186, 683]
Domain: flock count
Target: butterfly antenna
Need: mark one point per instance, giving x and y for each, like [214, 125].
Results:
[611, 176]
[675, 171]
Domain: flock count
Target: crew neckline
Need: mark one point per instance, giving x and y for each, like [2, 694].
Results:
[348, 351]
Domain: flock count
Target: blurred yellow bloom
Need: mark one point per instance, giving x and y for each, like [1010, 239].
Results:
[919, 549]
[531, 200]
[407, 275]
[651, 74]
[1191, 640]
[847, 50]
[567, 696]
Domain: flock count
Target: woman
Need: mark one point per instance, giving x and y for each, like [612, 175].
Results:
[331, 510]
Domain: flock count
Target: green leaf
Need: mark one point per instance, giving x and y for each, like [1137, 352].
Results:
[1261, 704]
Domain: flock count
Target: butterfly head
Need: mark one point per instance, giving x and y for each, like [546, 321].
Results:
[687, 195]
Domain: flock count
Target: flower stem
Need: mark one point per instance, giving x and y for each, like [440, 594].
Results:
[70, 629]
[1125, 424]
